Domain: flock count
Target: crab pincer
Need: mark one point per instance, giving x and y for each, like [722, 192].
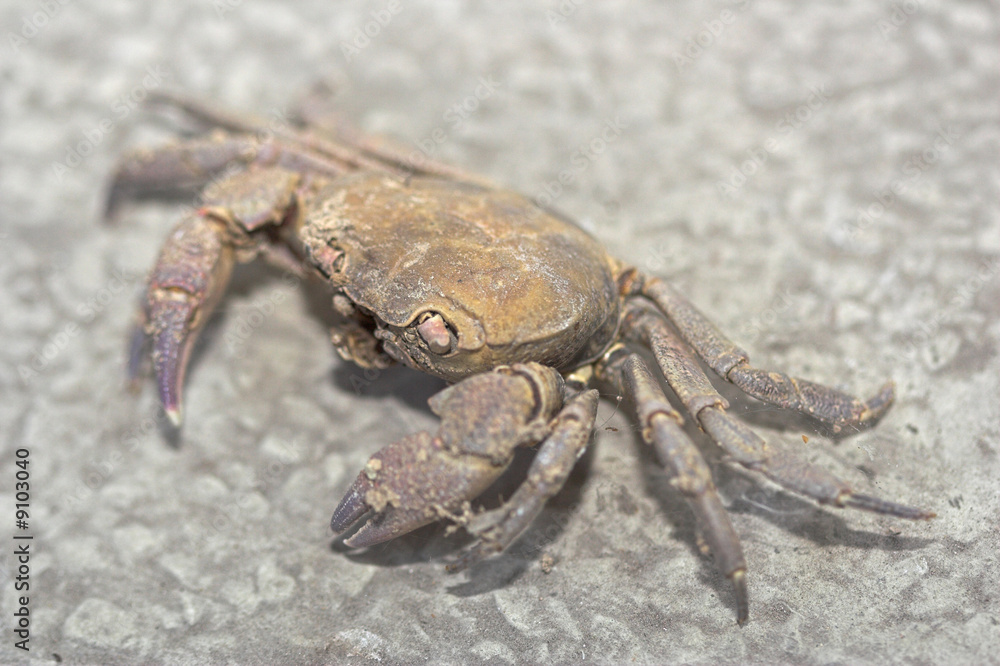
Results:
[187, 280]
[194, 266]
[424, 477]
[409, 484]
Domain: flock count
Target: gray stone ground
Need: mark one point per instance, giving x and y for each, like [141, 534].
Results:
[213, 546]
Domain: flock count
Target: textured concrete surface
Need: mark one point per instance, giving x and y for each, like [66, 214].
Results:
[212, 546]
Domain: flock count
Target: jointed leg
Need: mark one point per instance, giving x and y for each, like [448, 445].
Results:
[191, 164]
[690, 474]
[689, 382]
[732, 364]
[498, 528]
[240, 141]
[352, 148]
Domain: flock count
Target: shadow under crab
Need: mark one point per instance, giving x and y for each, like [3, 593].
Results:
[517, 307]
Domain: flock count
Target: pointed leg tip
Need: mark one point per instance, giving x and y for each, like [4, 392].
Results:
[739, 580]
[878, 505]
[877, 405]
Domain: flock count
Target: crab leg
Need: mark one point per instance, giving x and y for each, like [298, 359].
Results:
[498, 528]
[743, 445]
[426, 477]
[217, 117]
[352, 148]
[690, 474]
[732, 364]
[191, 164]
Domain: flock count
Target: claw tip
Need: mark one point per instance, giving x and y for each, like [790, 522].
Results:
[350, 509]
[174, 414]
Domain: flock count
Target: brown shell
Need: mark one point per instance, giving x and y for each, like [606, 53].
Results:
[515, 283]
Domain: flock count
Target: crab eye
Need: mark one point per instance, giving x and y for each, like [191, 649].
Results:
[434, 332]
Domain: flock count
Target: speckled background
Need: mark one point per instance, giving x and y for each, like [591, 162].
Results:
[752, 135]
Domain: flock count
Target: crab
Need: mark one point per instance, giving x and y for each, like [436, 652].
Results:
[519, 309]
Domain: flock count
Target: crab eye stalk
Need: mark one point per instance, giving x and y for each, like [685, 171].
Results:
[434, 332]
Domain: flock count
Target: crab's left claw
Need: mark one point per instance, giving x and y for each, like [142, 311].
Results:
[423, 477]
[190, 275]
[408, 484]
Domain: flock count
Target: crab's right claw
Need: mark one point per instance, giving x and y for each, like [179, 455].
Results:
[185, 284]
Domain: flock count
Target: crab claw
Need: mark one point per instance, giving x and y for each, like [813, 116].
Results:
[189, 276]
[409, 484]
[424, 477]
[172, 338]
